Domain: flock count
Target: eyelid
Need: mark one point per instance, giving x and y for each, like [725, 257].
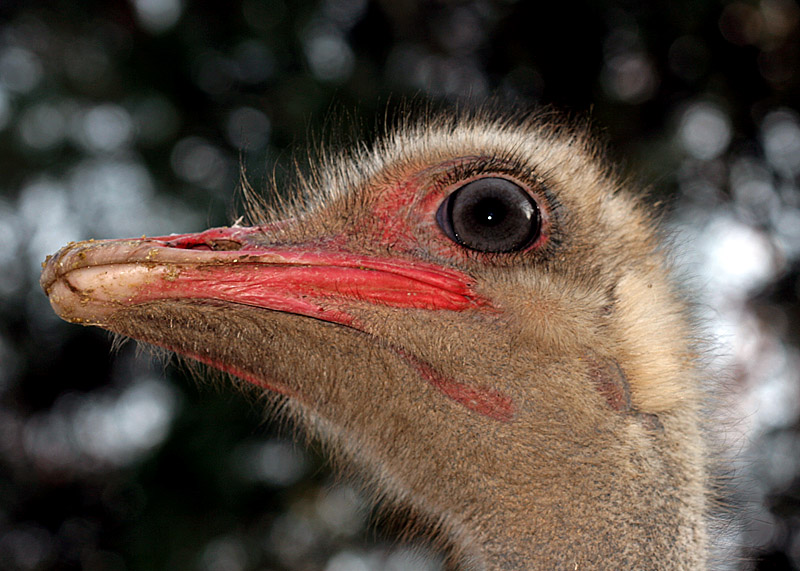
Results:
[471, 168]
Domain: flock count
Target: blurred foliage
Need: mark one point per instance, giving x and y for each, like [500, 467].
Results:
[122, 118]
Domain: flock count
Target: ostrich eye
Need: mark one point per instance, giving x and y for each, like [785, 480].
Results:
[490, 215]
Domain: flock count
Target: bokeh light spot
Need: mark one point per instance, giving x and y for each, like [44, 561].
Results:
[705, 131]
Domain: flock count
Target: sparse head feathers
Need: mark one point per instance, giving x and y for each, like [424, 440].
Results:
[476, 311]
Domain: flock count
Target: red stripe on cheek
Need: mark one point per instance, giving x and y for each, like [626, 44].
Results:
[484, 400]
[230, 369]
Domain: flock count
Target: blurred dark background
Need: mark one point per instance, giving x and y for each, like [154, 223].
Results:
[123, 118]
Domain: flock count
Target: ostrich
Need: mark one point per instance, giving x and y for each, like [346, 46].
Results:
[476, 313]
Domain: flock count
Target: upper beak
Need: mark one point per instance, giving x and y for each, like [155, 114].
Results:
[88, 281]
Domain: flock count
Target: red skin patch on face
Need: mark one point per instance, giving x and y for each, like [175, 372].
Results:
[484, 400]
[391, 212]
[406, 211]
[235, 371]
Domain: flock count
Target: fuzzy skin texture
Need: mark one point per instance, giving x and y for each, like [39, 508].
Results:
[597, 460]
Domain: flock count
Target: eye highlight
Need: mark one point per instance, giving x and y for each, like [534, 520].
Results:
[490, 214]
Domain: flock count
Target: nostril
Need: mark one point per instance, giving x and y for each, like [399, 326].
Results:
[217, 245]
[208, 245]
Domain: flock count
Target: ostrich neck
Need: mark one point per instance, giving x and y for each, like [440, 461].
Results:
[574, 509]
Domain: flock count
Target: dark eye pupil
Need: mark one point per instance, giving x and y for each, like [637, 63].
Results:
[490, 211]
[490, 215]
